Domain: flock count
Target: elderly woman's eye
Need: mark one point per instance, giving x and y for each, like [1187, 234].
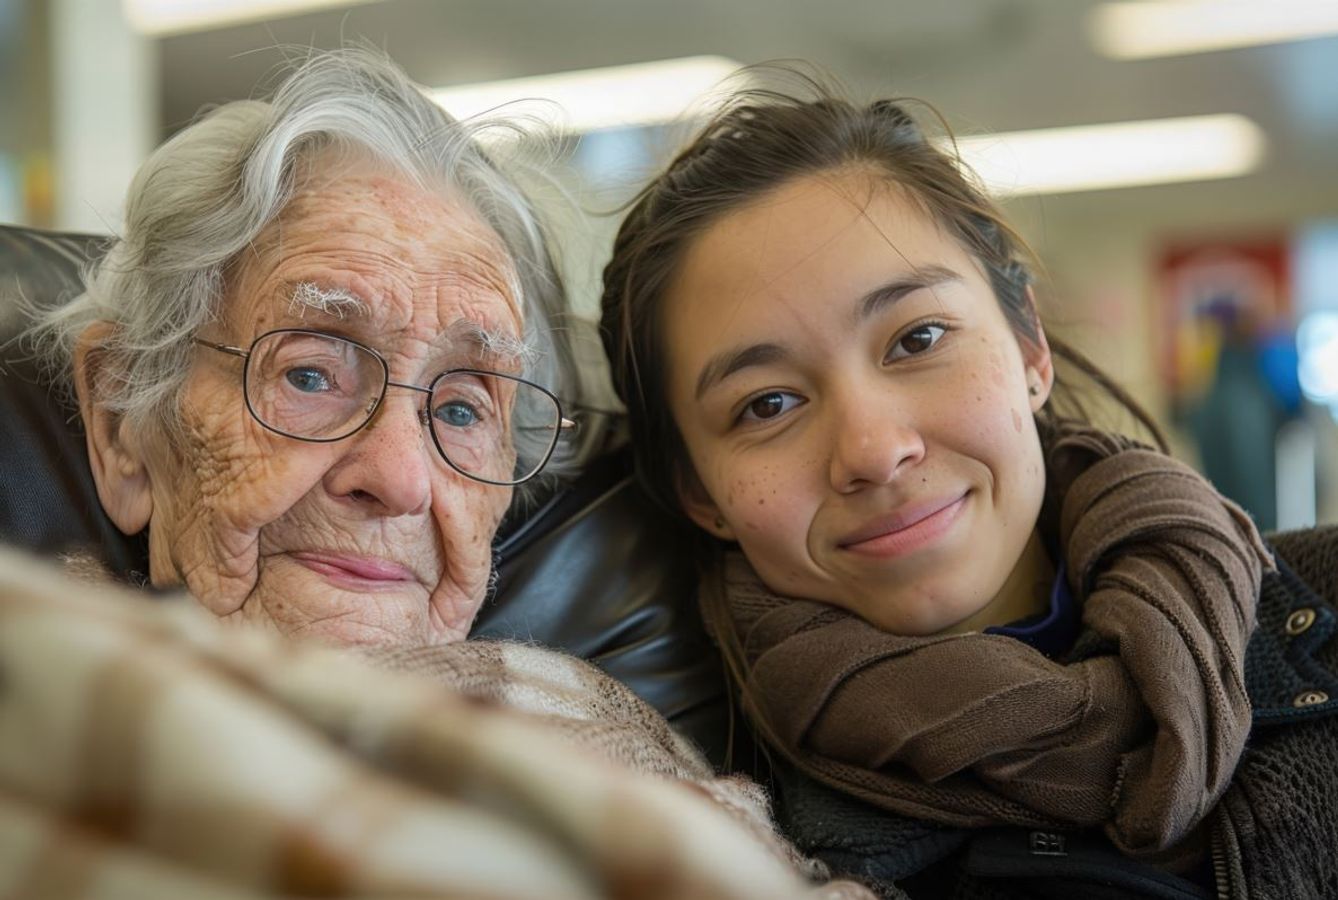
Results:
[917, 340]
[769, 406]
[457, 414]
[308, 380]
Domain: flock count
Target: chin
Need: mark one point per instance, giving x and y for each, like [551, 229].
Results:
[365, 622]
[353, 633]
[305, 606]
[929, 613]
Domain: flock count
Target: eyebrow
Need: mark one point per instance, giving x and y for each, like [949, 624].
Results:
[487, 346]
[882, 297]
[725, 364]
[338, 303]
[492, 348]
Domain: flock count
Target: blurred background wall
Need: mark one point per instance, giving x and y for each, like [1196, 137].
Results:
[1211, 293]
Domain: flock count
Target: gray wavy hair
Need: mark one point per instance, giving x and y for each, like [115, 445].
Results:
[202, 197]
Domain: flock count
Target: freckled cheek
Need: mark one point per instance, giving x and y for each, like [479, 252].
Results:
[987, 418]
[467, 519]
[768, 506]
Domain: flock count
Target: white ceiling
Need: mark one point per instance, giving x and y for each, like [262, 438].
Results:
[986, 64]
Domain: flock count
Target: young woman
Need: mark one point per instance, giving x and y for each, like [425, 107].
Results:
[997, 652]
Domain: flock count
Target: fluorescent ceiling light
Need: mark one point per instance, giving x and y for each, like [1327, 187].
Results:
[160, 18]
[1139, 30]
[1122, 154]
[618, 96]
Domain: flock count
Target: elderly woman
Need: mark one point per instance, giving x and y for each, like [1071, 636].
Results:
[319, 358]
[315, 366]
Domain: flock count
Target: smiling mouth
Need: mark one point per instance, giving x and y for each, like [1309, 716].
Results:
[358, 571]
[908, 529]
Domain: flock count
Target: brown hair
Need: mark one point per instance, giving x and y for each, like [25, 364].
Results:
[760, 140]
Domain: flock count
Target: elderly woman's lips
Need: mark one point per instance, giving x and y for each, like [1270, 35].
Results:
[345, 567]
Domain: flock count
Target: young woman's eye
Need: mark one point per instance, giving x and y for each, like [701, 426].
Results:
[917, 340]
[769, 406]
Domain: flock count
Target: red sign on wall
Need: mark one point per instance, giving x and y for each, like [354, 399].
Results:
[1210, 288]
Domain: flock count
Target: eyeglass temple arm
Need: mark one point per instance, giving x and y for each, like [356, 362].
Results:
[234, 351]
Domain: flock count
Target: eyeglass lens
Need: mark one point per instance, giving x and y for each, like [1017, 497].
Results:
[322, 388]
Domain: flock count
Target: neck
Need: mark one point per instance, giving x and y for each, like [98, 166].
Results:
[1025, 592]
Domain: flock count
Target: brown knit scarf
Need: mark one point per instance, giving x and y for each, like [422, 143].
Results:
[1137, 731]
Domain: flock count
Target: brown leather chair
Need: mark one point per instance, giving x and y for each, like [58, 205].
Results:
[595, 570]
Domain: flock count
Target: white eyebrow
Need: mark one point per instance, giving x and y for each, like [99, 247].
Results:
[493, 345]
[336, 302]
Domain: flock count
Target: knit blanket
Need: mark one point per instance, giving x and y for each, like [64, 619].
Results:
[147, 751]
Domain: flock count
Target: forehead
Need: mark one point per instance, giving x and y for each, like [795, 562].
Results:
[817, 230]
[797, 258]
[420, 259]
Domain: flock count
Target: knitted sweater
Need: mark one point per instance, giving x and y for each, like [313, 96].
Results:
[1272, 836]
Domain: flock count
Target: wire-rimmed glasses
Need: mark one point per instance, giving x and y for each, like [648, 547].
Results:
[313, 386]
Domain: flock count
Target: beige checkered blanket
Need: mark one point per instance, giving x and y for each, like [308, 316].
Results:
[147, 752]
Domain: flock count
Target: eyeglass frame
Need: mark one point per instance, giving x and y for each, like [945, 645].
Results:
[424, 413]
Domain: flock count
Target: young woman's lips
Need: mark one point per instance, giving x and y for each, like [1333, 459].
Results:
[356, 571]
[906, 530]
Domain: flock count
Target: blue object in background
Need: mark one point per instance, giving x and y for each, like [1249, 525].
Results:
[1279, 363]
[1234, 426]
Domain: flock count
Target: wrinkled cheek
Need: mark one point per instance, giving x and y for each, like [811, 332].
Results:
[216, 548]
[466, 524]
[250, 495]
[468, 515]
[466, 533]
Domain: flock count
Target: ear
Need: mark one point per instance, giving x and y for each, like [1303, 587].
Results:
[114, 455]
[1040, 367]
[698, 505]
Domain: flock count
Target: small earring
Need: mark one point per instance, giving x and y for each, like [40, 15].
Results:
[719, 522]
[1034, 390]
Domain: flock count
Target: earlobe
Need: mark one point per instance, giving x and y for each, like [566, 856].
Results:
[700, 508]
[1040, 367]
[119, 469]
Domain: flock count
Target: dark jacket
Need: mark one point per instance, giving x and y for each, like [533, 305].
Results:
[1273, 836]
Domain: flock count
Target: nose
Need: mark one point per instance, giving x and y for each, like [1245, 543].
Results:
[873, 441]
[388, 464]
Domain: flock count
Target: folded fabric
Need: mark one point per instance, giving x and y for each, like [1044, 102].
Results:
[1137, 730]
[148, 751]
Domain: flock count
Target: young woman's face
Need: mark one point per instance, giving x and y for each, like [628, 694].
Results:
[857, 410]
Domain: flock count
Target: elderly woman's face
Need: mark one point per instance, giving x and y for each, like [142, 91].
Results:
[370, 539]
